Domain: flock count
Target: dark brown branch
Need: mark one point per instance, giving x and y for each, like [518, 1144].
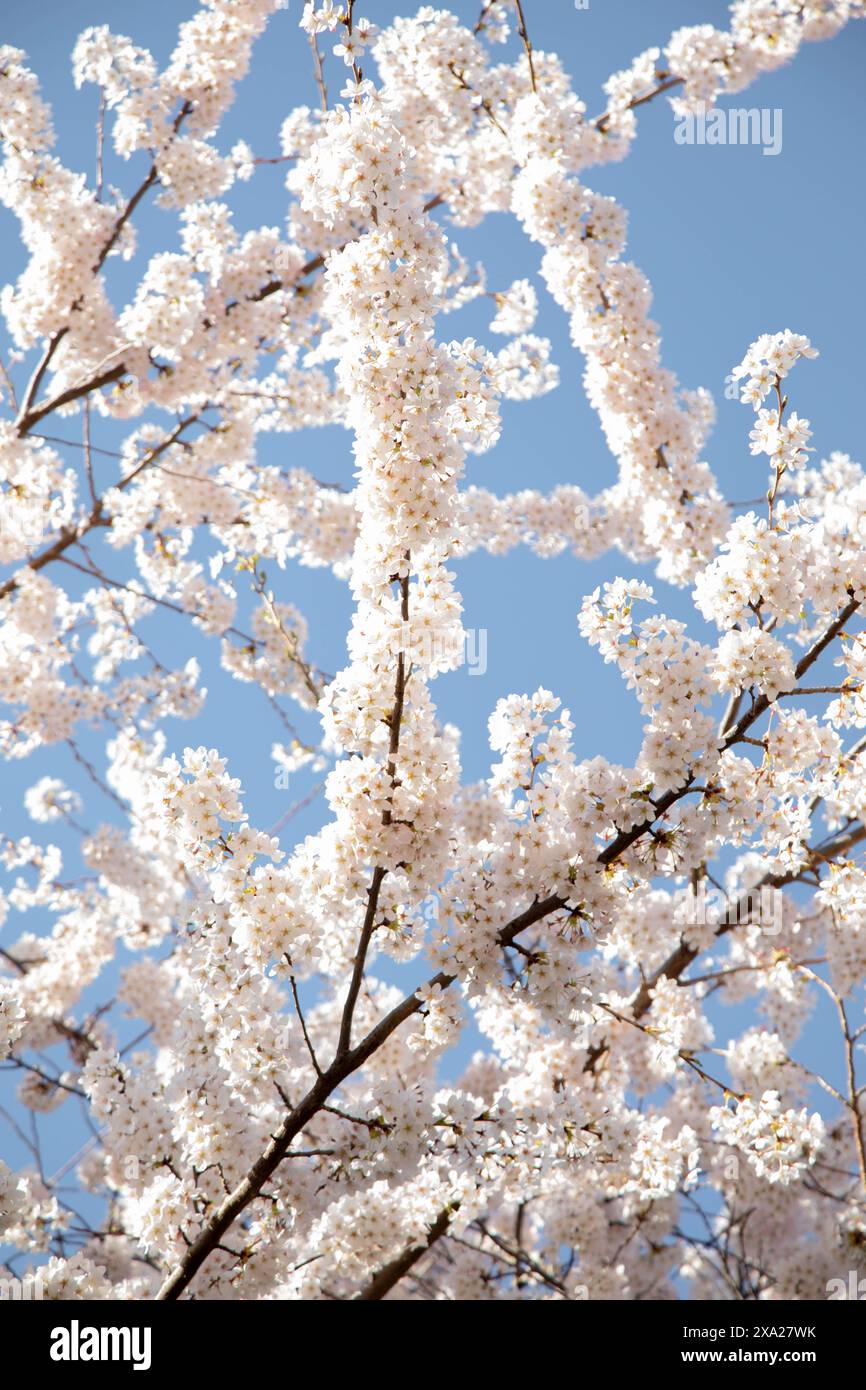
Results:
[268, 1162]
[379, 873]
[665, 84]
[390, 1274]
[521, 29]
[31, 417]
[28, 417]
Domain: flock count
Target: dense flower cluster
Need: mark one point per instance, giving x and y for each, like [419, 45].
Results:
[270, 1112]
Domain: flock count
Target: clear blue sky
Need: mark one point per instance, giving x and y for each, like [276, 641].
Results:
[734, 244]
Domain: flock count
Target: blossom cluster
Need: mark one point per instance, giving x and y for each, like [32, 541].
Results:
[459, 1037]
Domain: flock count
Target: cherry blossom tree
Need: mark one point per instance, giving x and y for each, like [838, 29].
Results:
[281, 1126]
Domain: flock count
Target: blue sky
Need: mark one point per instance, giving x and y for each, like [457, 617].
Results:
[734, 244]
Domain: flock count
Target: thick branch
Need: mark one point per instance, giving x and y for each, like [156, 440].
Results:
[390, 1274]
[379, 873]
[266, 1165]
